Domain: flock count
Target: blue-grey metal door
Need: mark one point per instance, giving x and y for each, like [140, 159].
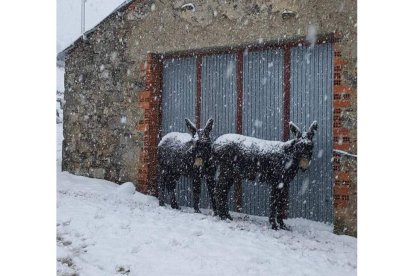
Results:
[178, 102]
[262, 115]
[310, 193]
[218, 101]
[311, 90]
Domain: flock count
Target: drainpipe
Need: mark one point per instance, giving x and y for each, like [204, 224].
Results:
[83, 18]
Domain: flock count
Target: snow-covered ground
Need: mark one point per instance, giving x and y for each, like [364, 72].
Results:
[109, 229]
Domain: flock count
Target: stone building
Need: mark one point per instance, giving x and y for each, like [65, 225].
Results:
[117, 73]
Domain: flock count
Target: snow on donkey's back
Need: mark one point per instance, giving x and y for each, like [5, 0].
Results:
[272, 162]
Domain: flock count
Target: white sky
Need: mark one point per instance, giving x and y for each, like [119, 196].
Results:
[68, 18]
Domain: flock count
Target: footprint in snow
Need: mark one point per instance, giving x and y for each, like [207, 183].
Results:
[174, 242]
[136, 249]
[122, 269]
[197, 233]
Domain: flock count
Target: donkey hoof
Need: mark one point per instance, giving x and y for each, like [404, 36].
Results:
[176, 207]
[274, 227]
[223, 217]
[285, 227]
[197, 211]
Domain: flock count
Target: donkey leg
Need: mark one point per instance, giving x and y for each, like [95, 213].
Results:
[221, 199]
[174, 203]
[161, 189]
[212, 193]
[228, 184]
[273, 199]
[282, 206]
[196, 193]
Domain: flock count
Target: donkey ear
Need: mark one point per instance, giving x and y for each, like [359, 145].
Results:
[295, 130]
[190, 126]
[209, 126]
[313, 127]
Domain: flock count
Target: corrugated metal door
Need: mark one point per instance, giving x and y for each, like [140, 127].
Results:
[262, 115]
[311, 99]
[178, 102]
[218, 101]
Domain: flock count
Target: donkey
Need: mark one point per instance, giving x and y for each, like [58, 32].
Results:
[183, 154]
[274, 162]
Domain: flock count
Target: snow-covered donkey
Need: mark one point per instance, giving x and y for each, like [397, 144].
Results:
[183, 154]
[273, 162]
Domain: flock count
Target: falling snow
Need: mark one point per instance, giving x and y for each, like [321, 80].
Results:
[311, 35]
[229, 70]
[304, 187]
[320, 153]
[115, 230]
[258, 123]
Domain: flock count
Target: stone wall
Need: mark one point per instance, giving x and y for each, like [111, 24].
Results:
[110, 93]
[100, 138]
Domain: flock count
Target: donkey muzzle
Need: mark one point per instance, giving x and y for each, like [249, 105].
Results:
[198, 162]
[304, 164]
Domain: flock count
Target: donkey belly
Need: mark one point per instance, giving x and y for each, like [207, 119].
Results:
[249, 173]
[248, 167]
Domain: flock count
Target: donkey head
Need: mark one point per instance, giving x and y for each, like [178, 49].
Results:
[201, 142]
[303, 144]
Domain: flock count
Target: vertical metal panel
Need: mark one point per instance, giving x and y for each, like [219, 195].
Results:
[218, 100]
[262, 115]
[178, 102]
[218, 93]
[311, 99]
[178, 94]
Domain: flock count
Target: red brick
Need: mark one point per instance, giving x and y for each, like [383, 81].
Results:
[341, 190]
[343, 146]
[150, 102]
[144, 94]
[340, 61]
[340, 203]
[342, 89]
[340, 131]
[144, 105]
[143, 171]
[341, 103]
[143, 67]
[342, 176]
[142, 127]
